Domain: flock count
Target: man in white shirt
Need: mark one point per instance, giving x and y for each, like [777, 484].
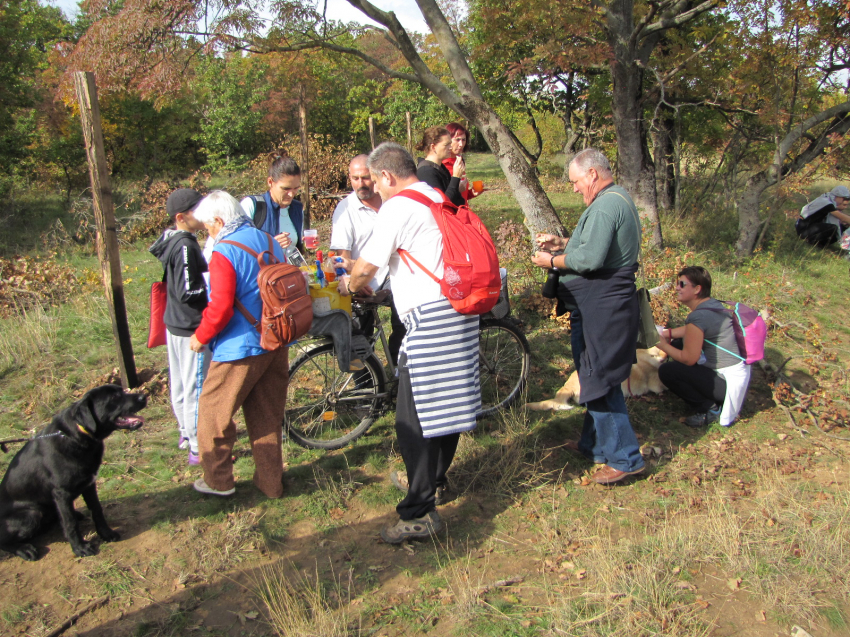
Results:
[438, 388]
[353, 223]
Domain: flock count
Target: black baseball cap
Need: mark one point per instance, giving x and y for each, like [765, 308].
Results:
[182, 200]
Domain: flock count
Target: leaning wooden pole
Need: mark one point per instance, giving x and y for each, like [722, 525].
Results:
[372, 132]
[409, 133]
[104, 214]
[305, 158]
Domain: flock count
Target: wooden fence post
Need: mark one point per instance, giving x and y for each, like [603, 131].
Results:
[409, 133]
[372, 131]
[104, 214]
[305, 159]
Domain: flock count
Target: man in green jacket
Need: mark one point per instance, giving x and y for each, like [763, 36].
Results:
[597, 285]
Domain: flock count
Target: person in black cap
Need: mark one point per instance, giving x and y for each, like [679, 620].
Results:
[184, 266]
[822, 220]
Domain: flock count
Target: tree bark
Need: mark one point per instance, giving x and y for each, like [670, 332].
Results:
[468, 102]
[748, 212]
[636, 171]
[632, 44]
[749, 201]
[665, 175]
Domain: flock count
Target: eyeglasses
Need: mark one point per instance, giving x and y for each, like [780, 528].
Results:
[682, 284]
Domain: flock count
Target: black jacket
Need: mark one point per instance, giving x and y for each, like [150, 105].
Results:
[607, 302]
[440, 178]
[184, 265]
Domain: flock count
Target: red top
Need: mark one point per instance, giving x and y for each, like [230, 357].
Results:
[219, 311]
[449, 163]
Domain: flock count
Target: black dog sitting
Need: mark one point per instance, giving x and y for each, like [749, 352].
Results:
[60, 464]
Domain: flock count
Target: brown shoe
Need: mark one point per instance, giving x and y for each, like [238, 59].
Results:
[610, 475]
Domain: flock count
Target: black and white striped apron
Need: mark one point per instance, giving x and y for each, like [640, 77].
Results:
[442, 356]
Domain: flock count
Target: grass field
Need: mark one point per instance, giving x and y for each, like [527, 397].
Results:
[738, 531]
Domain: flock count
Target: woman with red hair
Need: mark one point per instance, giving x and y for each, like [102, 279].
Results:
[460, 141]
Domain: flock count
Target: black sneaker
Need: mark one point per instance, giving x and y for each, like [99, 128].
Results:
[703, 420]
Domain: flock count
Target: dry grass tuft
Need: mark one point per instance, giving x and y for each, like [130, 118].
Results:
[299, 604]
[219, 545]
[504, 465]
[633, 589]
[26, 336]
[467, 580]
[791, 546]
[787, 546]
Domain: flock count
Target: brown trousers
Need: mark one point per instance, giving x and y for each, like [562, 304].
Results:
[257, 384]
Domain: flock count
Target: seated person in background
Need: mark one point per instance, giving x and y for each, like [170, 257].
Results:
[353, 223]
[822, 221]
[437, 145]
[708, 372]
[460, 141]
[276, 211]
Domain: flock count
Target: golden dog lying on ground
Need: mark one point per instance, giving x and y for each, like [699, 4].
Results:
[642, 379]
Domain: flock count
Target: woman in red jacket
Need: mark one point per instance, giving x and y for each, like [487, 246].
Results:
[242, 373]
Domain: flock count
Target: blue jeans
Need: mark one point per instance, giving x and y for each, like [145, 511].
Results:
[606, 435]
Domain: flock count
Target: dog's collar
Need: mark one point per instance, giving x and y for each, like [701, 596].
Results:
[83, 430]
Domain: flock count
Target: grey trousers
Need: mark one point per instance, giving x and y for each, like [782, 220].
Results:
[186, 373]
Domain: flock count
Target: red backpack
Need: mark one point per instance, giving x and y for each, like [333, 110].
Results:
[471, 280]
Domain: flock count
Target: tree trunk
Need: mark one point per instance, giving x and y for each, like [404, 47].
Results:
[525, 186]
[570, 150]
[468, 102]
[665, 176]
[748, 202]
[748, 212]
[636, 172]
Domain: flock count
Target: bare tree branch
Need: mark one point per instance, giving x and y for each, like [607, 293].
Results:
[672, 19]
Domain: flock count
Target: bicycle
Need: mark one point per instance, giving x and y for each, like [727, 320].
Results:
[327, 408]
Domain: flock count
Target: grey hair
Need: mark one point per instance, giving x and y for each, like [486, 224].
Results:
[219, 204]
[393, 158]
[592, 158]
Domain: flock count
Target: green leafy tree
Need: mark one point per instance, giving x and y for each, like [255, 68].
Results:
[28, 31]
[228, 91]
[143, 140]
[144, 35]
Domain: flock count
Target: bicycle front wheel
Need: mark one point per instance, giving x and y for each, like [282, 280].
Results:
[327, 408]
[504, 359]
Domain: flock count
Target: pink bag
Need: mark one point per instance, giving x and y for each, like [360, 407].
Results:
[750, 332]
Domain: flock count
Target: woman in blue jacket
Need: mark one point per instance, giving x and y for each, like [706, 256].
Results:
[242, 374]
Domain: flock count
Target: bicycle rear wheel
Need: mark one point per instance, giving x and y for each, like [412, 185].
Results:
[327, 408]
[504, 359]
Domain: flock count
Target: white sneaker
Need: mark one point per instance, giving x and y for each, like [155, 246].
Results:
[202, 487]
[183, 444]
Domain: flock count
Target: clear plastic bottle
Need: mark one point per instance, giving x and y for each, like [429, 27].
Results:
[294, 257]
[328, 267]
